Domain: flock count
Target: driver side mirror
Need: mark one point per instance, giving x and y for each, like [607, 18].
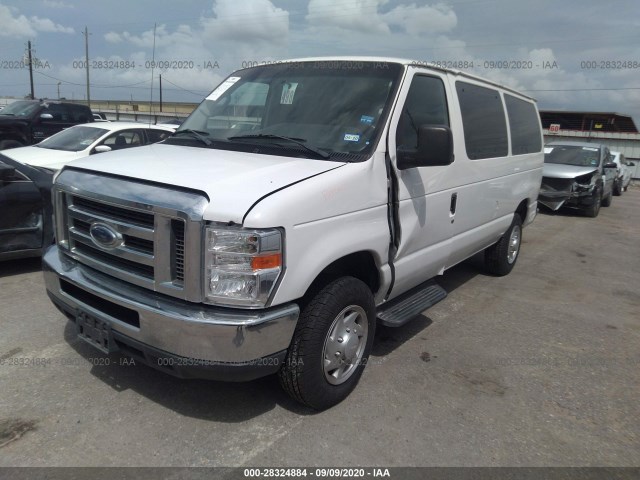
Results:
[6, 171]
[46, 116]
[610, 165]
[435, 147]
[102, 149]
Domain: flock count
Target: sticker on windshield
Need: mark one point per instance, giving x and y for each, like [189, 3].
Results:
[351, 138]
[223, 87]
[288, 92]
[366, 119]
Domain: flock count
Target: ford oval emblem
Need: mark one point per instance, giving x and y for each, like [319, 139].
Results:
[105, 236]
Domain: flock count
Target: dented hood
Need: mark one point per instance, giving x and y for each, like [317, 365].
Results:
[557, 170]
[233, 181]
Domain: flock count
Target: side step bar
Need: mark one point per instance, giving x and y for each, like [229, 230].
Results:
[407, 306]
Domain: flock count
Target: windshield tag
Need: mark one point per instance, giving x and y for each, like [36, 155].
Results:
[351, 138]
[366, 119]
[288, 92]
[223, 87]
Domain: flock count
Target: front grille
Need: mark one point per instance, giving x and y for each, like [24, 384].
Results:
[146, 234]
[134, 217]
[557, 184]
[177, 231]
[137, 258]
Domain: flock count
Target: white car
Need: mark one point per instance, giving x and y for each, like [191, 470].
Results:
[623, 173]
[87, 139]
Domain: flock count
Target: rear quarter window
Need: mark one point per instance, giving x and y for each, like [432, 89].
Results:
[524, 125]
[483, 121]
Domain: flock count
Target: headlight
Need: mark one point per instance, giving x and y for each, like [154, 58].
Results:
[241, 265]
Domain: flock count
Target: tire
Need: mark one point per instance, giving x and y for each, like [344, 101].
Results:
[617, 189]
[500, 258]
[606, 202]
[594, 209]
[309, 375]
[7, 144]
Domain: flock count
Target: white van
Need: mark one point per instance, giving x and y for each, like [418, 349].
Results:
[299, 204]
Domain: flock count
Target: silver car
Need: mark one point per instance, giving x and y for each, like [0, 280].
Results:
[623, 173]
[577, 175]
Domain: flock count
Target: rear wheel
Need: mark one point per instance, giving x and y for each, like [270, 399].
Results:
[500, 258]
[617, 188]
[331, 344]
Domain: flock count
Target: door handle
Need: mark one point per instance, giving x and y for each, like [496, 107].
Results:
[454, 203]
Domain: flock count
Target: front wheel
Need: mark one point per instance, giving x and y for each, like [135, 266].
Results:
[594, 209]
[331, 344]
[500, 258]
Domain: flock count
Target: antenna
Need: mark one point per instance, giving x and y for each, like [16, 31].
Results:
[153, 62]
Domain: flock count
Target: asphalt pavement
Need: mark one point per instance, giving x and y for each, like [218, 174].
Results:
[538, 368]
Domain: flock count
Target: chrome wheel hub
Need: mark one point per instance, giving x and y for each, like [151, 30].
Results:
[344, 345]
[514, 245]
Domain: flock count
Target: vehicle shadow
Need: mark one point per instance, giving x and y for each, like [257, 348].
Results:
[235, 402]
[387, 339]
[20, 266]
[203, 399]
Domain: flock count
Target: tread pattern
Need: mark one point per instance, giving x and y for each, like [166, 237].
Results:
[301, 375]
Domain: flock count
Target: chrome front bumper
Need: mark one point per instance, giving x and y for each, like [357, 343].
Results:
[154, 324]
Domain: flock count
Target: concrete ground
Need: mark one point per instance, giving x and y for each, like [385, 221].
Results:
[539, 368]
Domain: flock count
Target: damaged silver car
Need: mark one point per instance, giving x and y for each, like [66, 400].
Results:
[577, 175]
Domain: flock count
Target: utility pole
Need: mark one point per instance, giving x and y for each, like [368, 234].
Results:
[161, 92]
[30, 69]
[86, 55]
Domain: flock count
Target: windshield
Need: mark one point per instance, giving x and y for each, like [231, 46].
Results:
[336, 107]
[20, 109]
[572, 155]
[73, 139]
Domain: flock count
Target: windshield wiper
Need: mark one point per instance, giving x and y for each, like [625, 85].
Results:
[297, 141]
[196, 134]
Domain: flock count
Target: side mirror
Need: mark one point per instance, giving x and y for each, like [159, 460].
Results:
[102, 149]
[6, 171]
[610, 165]
[46, 116]
[435, 147]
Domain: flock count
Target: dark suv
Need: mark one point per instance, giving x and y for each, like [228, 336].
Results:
[27, 122]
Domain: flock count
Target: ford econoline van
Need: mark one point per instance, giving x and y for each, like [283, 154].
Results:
[300, 205]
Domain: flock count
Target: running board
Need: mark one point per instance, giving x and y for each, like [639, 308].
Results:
[407, 306]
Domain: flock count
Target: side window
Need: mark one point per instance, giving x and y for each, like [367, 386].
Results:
[426, 104]
[483, 121]
[524, 125]
[123, 139]
[80, 114]
[157, 135]
[61, 113]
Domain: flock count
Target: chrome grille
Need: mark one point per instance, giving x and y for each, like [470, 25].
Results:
[158, 230]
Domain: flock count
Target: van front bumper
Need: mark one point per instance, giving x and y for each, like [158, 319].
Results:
[181, 338]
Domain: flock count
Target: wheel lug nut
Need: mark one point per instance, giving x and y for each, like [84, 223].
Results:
[348, 330]
[340, 339]
[337, 354]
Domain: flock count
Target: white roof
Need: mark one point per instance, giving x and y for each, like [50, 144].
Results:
[403, 61]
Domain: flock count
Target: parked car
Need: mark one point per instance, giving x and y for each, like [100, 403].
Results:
[99, 117]
[88, 139]
[623, 173]
[299, 204]
[26, 122]
[577, 175]
[25, 202]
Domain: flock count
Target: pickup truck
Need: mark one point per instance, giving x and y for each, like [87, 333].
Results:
[301, 204]
[27, 122]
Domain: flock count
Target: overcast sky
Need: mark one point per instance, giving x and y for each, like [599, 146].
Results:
[591, 49]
